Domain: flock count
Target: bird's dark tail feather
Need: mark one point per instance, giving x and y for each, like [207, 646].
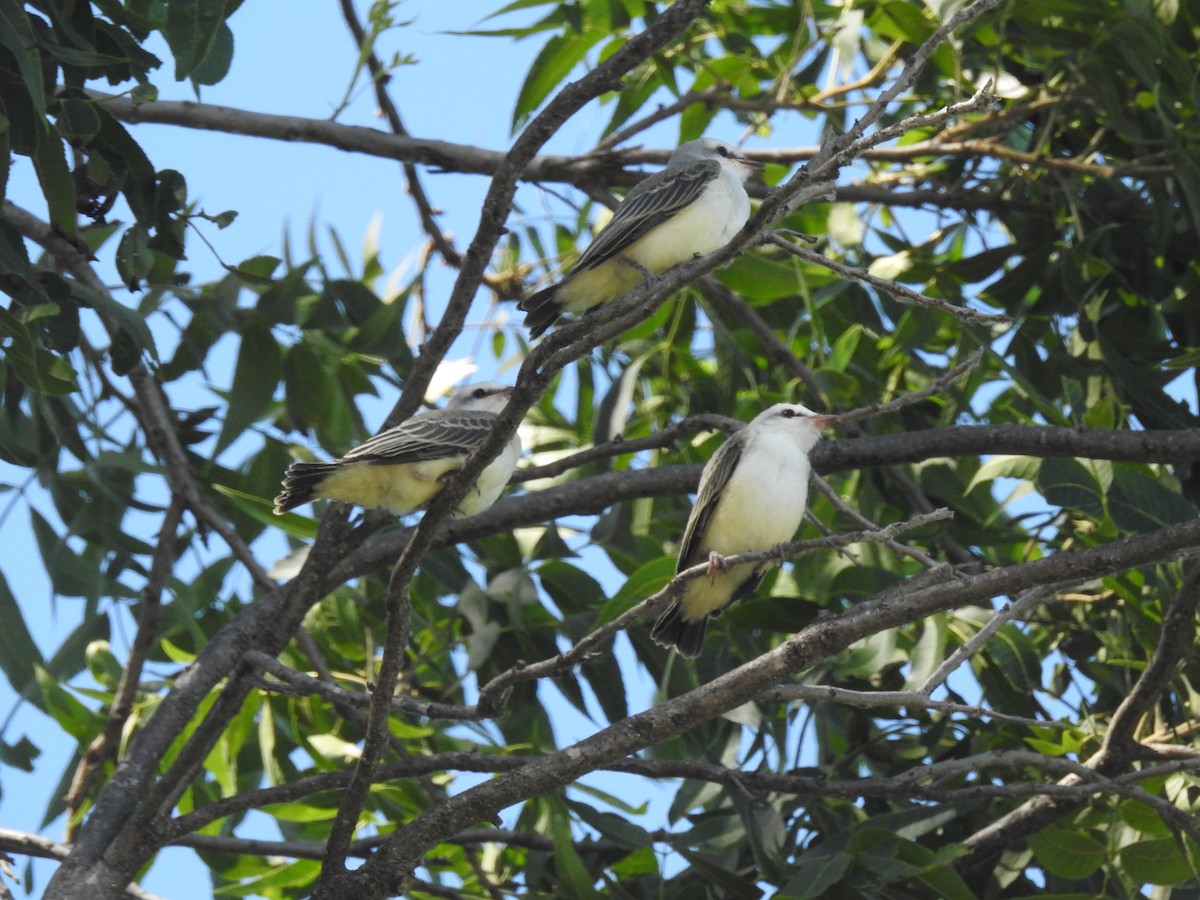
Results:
[300, 484]
[673, 630]
[541, 310]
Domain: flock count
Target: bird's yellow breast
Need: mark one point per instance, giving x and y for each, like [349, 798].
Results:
[701, 228]
[399, 488]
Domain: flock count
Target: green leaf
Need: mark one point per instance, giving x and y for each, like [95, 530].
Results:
[50, 163]
[215, 65]
[1024, 468]
[20, 755]
[574, 875]
[72, 716]
[1140, 502]
[16, 34]
[134, 259]
[1161, 861]
[255, 377]
[1067, 852]
[77, 120]
[555, 61]
[611, 826]
[192, 30]
[130, 321]
[1066, 483]
[70, 574]
[308, 390]
[647, 579]
[19, 654]
[127, 159]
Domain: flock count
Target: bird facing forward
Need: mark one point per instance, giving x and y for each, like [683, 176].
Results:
[752, 496]
[404, 468]
[692, 207]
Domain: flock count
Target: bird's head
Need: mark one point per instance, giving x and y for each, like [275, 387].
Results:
[486, 396]
[727, 155]
[795, 420]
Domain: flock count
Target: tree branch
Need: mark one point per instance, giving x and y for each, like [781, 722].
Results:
[801, 651]
[1119, 748]
[605, 76]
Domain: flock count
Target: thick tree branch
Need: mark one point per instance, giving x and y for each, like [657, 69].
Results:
[605, 76]
[594, 494]
[815, 643]
[1119, 748]
[492, 695]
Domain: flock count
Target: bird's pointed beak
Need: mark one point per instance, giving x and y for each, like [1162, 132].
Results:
[752, 164]
[823, 421]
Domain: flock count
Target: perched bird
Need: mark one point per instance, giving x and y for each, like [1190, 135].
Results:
[692, 207]
[752, 496]
[405, 467]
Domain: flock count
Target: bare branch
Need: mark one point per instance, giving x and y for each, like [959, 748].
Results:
[817, 642]
[379, 80]
[894, 289]
[1011, 611]
[606, 76]
[302, 685]
[669, 436]
[104, 747]
[827, 693]
[25, 844]
[492, 694]
[1119, 749]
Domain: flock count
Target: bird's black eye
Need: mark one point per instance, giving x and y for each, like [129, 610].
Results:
[788, 413]
[479, 393]
[724, 151]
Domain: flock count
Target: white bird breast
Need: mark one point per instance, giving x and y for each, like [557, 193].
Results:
[491, 480]
[705, 226]
[764, 502]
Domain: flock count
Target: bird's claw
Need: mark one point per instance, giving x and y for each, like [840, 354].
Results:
[716, 565]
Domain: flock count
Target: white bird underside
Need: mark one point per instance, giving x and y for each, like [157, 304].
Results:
[762, 505]
[404, 468]
[692, 207]
[752, 496]
[705, 226]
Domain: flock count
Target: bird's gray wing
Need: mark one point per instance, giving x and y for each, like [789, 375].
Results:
[647, 206]
[712, 484]
[433, 435]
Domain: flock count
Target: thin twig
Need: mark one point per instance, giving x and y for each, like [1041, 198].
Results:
[668, 436]
[827, 693]
[492, 694]
[104, 746]
[1008, 613]
[893, 288]
[936, 387]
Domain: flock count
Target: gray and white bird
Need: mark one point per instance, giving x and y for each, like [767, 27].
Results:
[752, 496]
[404, 468]
[692, 207]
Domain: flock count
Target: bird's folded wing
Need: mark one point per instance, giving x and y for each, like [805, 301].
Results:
[712, 485]
[447, 432]
[665, 194]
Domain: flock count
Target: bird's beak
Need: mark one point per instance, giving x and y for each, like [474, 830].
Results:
[823, 421]
[507, 393]
[752, 164]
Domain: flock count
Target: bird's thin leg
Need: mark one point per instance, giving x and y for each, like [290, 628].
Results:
[637, 267]
[716, 564]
